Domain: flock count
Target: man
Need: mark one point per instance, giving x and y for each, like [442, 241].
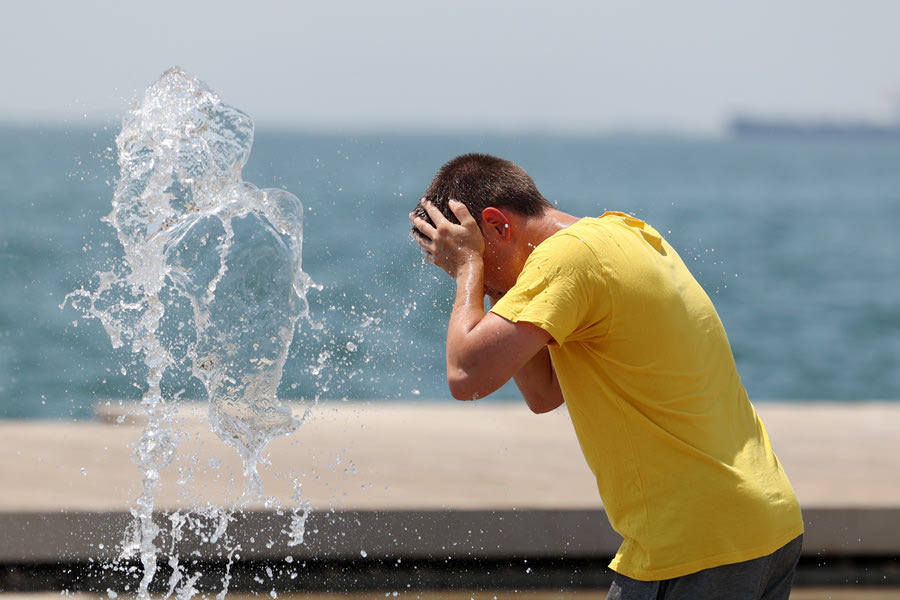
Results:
[602, 314]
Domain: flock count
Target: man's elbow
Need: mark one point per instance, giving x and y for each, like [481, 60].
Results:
[540, 404]
[461, 391]
[543, 408]
[464, 387]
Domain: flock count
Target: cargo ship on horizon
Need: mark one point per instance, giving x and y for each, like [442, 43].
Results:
[744, 126]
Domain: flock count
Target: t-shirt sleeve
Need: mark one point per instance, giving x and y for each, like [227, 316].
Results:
[561, 290]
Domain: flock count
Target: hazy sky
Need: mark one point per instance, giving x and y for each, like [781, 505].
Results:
[575, 66]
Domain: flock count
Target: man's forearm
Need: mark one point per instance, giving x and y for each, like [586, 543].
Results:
[538, 384]
[467, 312]
[486, 351]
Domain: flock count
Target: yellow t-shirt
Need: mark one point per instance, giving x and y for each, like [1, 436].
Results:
[683, 463]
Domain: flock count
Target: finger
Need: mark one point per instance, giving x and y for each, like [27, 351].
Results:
[437, 217]
[462, 212]
[425, 244]
[419, 210]
[415, 219]
[421, 227]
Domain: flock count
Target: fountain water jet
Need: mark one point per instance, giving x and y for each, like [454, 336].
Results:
[211, 278]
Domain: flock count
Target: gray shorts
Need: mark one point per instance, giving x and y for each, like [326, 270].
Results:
[765, 578]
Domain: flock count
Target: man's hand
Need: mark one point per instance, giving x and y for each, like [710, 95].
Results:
[446, 244]
[483, 351]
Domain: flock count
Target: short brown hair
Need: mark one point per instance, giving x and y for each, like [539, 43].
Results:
[480, 181]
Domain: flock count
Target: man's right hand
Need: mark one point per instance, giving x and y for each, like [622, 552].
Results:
[446, 244]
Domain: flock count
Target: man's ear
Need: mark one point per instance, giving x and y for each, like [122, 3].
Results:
[495, 221]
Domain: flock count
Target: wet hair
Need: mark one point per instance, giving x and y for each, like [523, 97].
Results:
[480, 181]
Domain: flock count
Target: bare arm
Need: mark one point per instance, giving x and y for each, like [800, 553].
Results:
[484, 351]
[538, 383]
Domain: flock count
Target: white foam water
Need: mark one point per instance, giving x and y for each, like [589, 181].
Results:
[211, 281]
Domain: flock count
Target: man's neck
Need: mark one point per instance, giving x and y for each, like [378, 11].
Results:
[551, 221]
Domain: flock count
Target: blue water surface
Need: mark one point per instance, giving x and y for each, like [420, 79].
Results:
[794, 241]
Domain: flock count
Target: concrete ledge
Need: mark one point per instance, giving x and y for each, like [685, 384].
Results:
[338, 535]
[408, 535]
[852, 532]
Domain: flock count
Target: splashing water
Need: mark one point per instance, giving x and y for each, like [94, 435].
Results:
[211, 279]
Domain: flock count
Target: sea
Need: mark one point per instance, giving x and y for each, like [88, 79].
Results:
[795, 240]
